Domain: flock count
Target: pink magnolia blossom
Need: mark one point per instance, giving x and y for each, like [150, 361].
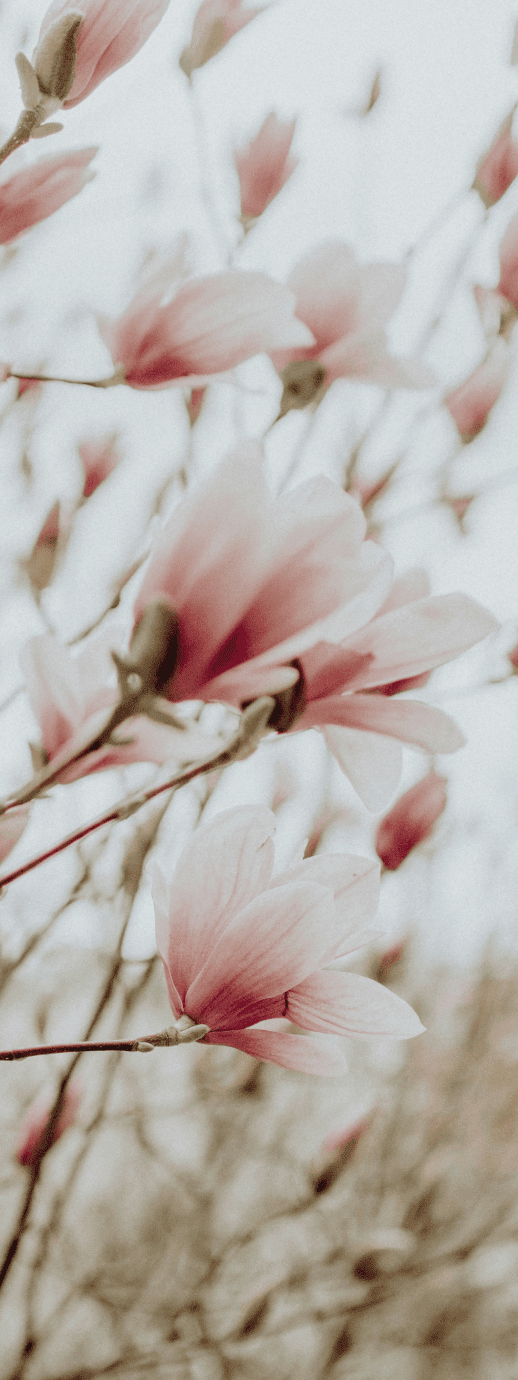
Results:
[215, 23]
[210, 325]
[110, 34]
[241, 948]
[12, 826]
[346, 305]
[499, 166]
[33, 1132]
[258, 584]
[264, 165]
[69, 696]
[508, 284]
[410, 820]
[41, 562]
[98, 458]
[471, 403]
[35, 193]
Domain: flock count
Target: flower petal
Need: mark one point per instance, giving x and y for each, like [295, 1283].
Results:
[372, 763]
[355, 883]
[224, 866]
[408, 720]
[423, 634]
[300, 1052]
[347, 1004]
[281, 934]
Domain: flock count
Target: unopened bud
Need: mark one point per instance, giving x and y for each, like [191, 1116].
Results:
[303, 380]
[37, 1133]
[153, 650]
[195, 1032]
[143, 1047]
[289, 703]
[410, 820]
[55, 57]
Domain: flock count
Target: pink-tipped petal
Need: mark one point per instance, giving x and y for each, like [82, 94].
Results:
[12, 826]
[420, 724]
[355, 884]
[111, 34]
[410, 820]
[423, 634]
[53, 689]
[281, 934]
[347, 1004]
[414, 584]
[299, 1052]
[37, 192]
[226, 864]
[372, 763]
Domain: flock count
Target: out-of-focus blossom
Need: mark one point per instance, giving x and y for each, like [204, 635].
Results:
[210, 325]
[98, 458]
[514, 48]
[41, 562]
[266, 590]
[215, 24]
[513, 657]
[471, 403]
[499, 166]
[5, 372]
[336, 1151]
[410, 820]
[69, 696]
[346, 305]
[390, 959]
[241, 948]
[194, 403]
[508, 284]
[35, 193]
[81, 44]
[26, 385]
[264, 166]
[35, 1137]
[497, 315]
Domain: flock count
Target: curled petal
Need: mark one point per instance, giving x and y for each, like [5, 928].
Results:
[347, 1004]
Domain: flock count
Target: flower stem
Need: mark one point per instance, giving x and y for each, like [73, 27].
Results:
[21, 135]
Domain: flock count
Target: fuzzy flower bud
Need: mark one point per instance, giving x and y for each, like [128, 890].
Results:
[36, 1133]
[410, 820]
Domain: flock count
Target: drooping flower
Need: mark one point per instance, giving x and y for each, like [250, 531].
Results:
[264, 166]
[109, 33]
[35, 193]
[98, 458]
[215, 23]
[410, 820]
[35, 1137]
[499, 166]
[346, 305]
[209, 325]
[241, 948]
[471, 403]
[70, 695]
[287, 596]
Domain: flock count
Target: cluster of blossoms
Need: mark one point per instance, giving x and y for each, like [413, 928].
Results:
[248, 598]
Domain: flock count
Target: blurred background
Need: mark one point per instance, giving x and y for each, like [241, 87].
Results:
[207, 1216]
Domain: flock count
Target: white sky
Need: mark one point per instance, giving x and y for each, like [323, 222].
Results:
[446, 85]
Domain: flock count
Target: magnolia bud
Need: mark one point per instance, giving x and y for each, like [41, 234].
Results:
[289, 703]
[55, 57]
[302, 380]
[410, 820]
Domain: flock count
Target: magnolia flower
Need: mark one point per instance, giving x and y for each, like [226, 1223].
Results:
[34, 1131]
[215, 24]
[410, 820]
[346, 305]
[285, 597]
[37, 192]
[81, 44]
[499, 166]
[98, 458]
[508, 284]
[208, 326]
[70, 695]
[471, 403]
[264, 165]
[241, 948]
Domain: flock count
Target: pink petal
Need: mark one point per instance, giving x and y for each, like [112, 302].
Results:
[423, 634]
[53, 688]
[355, 885]
[37, 192]
[12, 826]
[111, 33]
[366, 356]
[471, 403]
[408, 720]
[290, 1051]
[224, 866]
[347, 1004]
[414, 584]
[410, 820]
[326, 282]
[381, 288]
[279, 935]
[508, 284]
[372, 763]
